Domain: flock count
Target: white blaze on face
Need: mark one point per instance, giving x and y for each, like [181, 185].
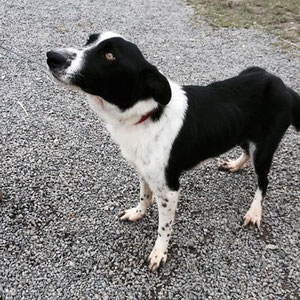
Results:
[78, 62]
[75, 66]
[108, 35]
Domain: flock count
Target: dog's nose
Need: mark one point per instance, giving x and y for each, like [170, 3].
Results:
[55, 59]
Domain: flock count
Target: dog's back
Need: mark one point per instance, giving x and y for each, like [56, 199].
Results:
[243, 109]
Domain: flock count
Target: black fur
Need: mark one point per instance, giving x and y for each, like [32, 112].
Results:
[156, 114]
[253, 107]
[296, 110]
[124, 81]
[92, 38]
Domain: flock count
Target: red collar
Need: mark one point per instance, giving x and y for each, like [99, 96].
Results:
[143, 118]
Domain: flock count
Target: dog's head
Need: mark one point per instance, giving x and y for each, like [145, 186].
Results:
[110, 67]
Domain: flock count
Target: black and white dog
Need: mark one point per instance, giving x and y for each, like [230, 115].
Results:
[164, 129]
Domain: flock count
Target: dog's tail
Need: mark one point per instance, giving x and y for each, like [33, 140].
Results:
[296, 110]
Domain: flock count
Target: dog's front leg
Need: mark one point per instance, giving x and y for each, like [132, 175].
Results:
[146, 199]
[167, 203]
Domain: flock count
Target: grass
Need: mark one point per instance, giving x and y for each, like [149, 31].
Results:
[281, 17]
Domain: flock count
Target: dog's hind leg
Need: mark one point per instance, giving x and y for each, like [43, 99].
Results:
[146, 199]
[262, 163]
[262, 154]
[236, 165]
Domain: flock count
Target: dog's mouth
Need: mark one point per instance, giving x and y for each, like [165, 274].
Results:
[59, 76]
[56, 76]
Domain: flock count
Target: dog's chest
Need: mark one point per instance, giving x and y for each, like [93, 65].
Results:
[147, 145]
[148, 149]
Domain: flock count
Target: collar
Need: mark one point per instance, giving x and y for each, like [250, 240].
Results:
[144, 118]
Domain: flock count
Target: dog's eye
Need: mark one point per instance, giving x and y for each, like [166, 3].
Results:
[109, 56]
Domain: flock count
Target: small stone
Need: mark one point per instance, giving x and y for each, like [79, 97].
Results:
[72, 264]
[13, 292]
[271, 247]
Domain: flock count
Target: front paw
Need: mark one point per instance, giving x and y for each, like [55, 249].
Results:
[156, 258]
[132, 214]
[253, 216]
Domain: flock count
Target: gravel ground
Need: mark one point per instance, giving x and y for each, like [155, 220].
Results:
[64, 182]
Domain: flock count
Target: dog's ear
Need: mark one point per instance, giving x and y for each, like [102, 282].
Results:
[155, 85]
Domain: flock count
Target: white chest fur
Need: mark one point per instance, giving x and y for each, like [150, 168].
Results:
[146, 145]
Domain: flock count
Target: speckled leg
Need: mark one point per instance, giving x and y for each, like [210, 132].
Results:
[167, 203]
[146, 199]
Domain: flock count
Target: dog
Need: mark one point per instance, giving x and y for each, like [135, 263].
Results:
[163, 128]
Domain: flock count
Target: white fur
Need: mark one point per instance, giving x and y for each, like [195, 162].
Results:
[235, 165]
[166, 208]
[113, 116]
[108, 35]
[255, 211]
[146, 145]
[75, 67]
[102, 37]
[146, 199]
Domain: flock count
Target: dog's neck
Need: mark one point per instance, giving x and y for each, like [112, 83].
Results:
[137, 118]
[113, 116]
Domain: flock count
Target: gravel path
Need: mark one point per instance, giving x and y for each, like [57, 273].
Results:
[64, 182]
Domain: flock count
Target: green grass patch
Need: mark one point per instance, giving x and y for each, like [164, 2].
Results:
[281, 17]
